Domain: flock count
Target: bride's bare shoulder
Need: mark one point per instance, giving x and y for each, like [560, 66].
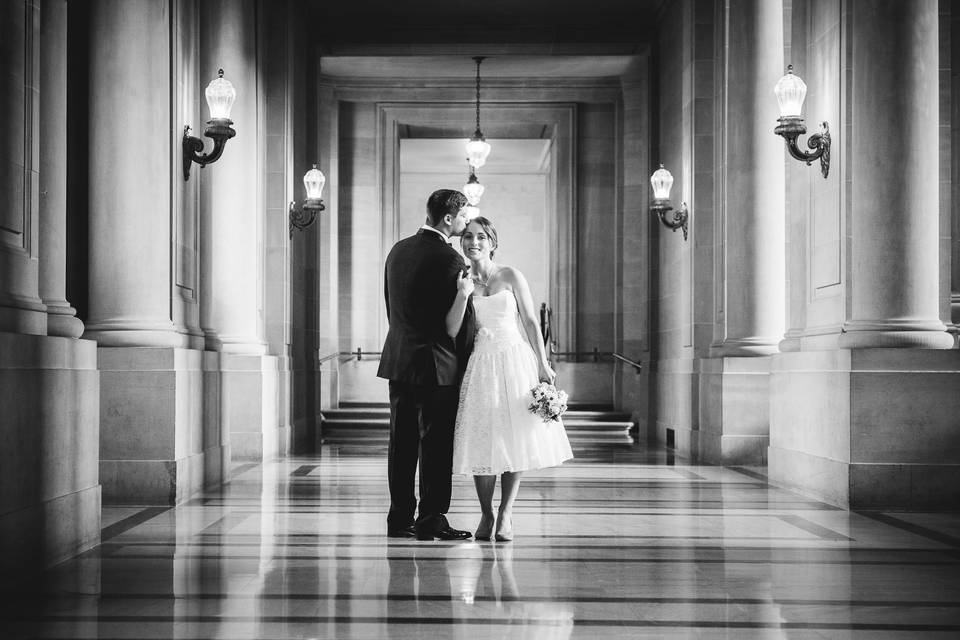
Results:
[510, 275]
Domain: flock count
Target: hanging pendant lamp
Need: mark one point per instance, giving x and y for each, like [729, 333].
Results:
[477, 147]
[473, 189]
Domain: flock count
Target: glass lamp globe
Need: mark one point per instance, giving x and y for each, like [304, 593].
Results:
[790, 91]
[477, 152]
[661, 181]
[313, 181]
[220, 96]
[473, 190]
[471, 211]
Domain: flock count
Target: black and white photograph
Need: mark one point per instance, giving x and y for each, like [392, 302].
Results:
[517, 319]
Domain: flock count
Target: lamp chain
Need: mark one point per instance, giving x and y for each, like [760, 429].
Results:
[478, 59]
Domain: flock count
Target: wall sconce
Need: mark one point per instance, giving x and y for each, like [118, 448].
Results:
[661, 180]
[303, 217]
[791, 91]
[220, 96]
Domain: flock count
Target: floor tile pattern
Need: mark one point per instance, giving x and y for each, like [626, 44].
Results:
[620, 543]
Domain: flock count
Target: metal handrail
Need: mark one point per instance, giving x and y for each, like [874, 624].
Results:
[596, 354]
[636, 365]
[329, 357]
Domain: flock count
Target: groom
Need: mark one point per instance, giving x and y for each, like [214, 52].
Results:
[423, 366]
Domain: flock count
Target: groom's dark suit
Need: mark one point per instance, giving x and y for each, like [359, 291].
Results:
[424, 366]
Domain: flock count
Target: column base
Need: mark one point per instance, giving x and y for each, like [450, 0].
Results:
[62, 321]
[134, 334]
[249, 388]
[23, 315]
[745, 347]
[153, 436]
[734, 410]
[49, 485]
[867, 429]
[151, 482]
[895, 335]
[673, 383]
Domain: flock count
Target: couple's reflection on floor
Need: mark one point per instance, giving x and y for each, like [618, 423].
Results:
[473, 587]
[482, 579]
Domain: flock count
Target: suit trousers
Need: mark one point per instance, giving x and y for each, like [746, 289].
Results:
[421, 428]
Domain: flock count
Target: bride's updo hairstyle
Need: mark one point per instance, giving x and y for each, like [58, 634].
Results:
[488, 229]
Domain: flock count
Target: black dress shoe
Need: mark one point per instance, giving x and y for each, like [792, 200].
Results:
[403, 532]
[444, 533]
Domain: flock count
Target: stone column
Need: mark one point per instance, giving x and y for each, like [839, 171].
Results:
[49, 487]
[231, 204]
[230, 200]
[894, 216]
[753, 183]
[873, 424]
[61, 317]
[130, 171]
[750, 290]
[151, 387]
[21, 310]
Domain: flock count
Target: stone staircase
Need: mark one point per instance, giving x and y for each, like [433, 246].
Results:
[356, 423]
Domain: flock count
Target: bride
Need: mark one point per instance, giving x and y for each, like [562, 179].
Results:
[495, 433]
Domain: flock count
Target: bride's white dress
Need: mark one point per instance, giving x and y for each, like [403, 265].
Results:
[495, 431]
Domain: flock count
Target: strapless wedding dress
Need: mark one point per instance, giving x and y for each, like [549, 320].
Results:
[495, 431]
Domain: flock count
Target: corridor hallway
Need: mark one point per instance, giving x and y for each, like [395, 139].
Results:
[620, 543]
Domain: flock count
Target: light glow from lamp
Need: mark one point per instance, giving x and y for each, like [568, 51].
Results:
[477, 151]
[790, 90]
[220, 96]
[313, 181]
[662, 182]
[471, 211]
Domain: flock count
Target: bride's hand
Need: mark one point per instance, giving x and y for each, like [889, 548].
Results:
[547, 374]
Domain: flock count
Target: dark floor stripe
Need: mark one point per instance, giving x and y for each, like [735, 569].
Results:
[486, 622]
[558, 599]
[916, 529]
[243, 468]
[130, 522]
[397, 544]
[613, 560]
[814, 528]
[304, 470]
[533, 536]
[225, 524]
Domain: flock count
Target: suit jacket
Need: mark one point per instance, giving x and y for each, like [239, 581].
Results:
[420, 283]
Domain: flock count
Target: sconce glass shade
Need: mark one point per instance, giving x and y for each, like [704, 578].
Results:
[473, 190]
[661, 181]
[477, 152]
[313, 181]
[790, 91]
[220, 96]
[471, 211]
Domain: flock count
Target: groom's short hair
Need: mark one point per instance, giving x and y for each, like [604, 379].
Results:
[444, 201]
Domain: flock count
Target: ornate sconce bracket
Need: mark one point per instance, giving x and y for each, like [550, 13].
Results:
[790, 128]
[219, 130]
[680, 217]
[306, 215]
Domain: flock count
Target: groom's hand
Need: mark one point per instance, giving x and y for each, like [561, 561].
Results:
[465, 286]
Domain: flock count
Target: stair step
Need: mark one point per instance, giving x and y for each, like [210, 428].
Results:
[354, 426]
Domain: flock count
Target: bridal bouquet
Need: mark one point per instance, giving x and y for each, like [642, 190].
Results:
[549, 403]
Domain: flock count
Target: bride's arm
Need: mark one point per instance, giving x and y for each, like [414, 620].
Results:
[528, 318]
[459, 306]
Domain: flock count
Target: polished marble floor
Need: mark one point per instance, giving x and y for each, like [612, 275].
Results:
[621, 543]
